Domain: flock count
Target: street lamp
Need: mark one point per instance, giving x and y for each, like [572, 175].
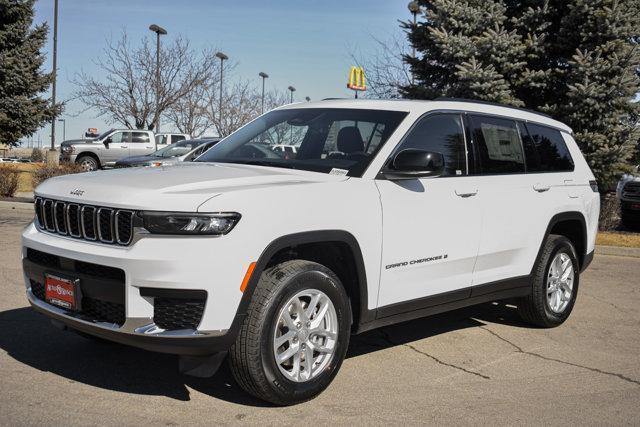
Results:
[53, 82]
[264, 77]
[414, 8]
[223, 58]
[291, 89]
[64, 129]
[159, 32]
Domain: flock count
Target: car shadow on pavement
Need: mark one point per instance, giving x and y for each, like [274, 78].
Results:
[29, 338]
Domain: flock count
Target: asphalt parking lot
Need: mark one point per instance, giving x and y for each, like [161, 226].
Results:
[475, 366]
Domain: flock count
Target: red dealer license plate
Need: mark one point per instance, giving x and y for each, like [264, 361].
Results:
[61, 292]
[635, 206]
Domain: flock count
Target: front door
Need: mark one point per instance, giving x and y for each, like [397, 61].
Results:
[431, 226]
[117, 148]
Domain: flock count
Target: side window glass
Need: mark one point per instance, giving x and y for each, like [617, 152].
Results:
[177, 138]
[549, 152]
[440, 133]
[140, 137]
[119, 137]
[498, 144]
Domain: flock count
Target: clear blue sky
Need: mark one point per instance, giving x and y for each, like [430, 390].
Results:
[304, 43]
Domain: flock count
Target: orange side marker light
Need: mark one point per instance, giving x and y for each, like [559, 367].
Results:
[247, 276]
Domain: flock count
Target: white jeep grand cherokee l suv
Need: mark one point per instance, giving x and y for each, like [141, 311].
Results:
[389, 211]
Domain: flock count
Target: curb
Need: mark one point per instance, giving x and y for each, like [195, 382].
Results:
[16, 199]
[618, 251]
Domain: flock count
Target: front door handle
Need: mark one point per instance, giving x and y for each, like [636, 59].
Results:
[541, 188]
[466, 193]
[124, 146]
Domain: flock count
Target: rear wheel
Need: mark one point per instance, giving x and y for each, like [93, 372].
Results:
[88, 163]
[295, 335]
[554, 284]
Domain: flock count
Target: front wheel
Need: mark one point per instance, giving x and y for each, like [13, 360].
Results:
[554, 286]
[295, 335]
[88, 163]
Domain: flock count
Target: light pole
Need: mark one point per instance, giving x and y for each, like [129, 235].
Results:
[54, 75]
[64, 129]
[307, 98]
[264, 77]
[159, 32]
[223, 58]
[291, 89]
[414, 8]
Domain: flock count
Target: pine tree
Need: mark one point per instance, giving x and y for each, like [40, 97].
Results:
[577, 60]
[22, 109]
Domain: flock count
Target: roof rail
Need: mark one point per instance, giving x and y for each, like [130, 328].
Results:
[497, 104]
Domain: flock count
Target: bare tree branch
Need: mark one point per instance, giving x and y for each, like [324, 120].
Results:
[127, 95]
[386, 71]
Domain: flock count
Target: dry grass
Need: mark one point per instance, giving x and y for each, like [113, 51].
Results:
[611, 238]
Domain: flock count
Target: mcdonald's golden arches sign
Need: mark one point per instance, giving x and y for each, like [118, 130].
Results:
[356, 79]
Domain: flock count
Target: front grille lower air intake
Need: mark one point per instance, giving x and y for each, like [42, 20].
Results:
[95, 223]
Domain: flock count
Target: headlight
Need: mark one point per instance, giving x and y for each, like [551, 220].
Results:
[68, 149]
[190, 223]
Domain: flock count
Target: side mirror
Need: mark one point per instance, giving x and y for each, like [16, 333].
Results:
[106, 142]
[413, 163]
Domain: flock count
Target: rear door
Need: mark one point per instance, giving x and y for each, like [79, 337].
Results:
[431, 226]
[514, 203]
[141, 144]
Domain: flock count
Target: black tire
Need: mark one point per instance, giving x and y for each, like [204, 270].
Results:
[535, 308]
[629, 222]
[251, 357]
[88, 163]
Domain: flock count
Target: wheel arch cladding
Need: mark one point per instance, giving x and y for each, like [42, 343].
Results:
[337, 250]
[573, 226]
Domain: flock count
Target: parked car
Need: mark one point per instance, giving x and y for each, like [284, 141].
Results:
[107, 148]
[183, 151]
[285, 150]
[165, 139]
[628, 192]
[273, 262]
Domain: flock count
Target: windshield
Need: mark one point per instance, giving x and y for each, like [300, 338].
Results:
[177, 148]
[103, 135]
[314, 139]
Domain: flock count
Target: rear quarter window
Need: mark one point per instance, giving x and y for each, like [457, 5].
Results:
[545, 149]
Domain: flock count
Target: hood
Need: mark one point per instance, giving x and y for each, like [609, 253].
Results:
[181, 187]
[78, 141]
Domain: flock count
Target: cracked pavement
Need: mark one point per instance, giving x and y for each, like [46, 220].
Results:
[480, 365]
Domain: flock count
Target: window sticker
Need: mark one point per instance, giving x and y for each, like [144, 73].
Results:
[338, 172]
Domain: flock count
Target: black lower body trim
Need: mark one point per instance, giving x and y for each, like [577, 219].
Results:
[440, 303]
[588, 258]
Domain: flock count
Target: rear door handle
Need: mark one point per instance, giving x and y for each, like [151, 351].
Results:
[541, 188]
[466, 193]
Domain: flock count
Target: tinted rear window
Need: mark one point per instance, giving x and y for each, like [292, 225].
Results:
[545, 149]
[498, 144]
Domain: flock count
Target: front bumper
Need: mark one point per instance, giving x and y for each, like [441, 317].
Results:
[142, 333]
[162, 264]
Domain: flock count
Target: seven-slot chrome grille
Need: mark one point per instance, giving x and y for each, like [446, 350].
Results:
[94, 223]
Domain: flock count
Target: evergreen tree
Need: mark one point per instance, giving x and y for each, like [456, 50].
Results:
[22, 109]
[577, 60]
